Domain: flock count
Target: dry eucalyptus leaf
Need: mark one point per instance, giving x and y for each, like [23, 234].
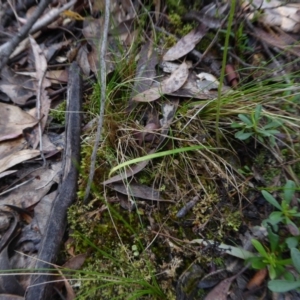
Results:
[186, 44]
[18, 88]
[16, 158]
[168, 86]
[13, 120]
[138, 191]
[38, 185]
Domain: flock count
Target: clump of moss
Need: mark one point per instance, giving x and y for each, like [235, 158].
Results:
[58, 114]
[177, 25]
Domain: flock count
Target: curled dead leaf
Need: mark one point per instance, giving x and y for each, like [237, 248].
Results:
[168, 86]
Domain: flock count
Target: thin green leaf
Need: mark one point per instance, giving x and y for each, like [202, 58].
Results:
[273, 124]
[271, 199]
[272, 272]
[273, 239]
[257, 114]
[259, 247]
[289, 190]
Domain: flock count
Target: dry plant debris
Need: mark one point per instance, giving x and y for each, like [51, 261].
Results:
[160, 175]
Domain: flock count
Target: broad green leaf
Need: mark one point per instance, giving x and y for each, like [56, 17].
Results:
[292, 242]
[282, 286]
[276, 216]
[241, 135]
[257, 114]
[288, 276]
[271, 199]
[245, 119]
[265, 133]
[289, 190]
[260, 248]
[295, 254]
[269, 132]
[273, 239]
[257, 263]
[273, 124]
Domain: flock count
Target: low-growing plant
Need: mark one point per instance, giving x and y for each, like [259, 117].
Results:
[282, 254]
[251, 126]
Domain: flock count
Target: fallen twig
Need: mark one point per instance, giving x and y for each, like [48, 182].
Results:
[8, 48]
[103, 97]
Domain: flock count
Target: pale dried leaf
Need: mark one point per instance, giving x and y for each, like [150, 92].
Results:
[82, 60]
[18, 88]
[186, 44]
[29, 194]
[262, 4]
[220, 291]
[168, 86]
[16, 158]
[41, 211]
[138, 191]
[286, 17]
[10, 146]
[12, 121]
[276, 41]
[41, 68]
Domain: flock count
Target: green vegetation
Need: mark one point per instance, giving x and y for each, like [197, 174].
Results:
[251, 127]
[281, 252]
[138, 248]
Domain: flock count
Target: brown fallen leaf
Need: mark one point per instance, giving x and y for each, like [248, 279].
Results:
[167, 86]
[43, 101]
[16, 158]
[145, 72]
[257, 279]
[220, 291]
[38, 185]
[13, 120]
[186, 44]
[10, 146]
[18, 88]
[138, 191]
[75, 263]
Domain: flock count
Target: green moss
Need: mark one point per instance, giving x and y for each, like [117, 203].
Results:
[58, 114]
[177, 25]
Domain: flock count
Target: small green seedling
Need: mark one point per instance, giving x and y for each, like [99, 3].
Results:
[251, 127]
[279, 252]
[282, 254]
[288, 284]
[285, 213]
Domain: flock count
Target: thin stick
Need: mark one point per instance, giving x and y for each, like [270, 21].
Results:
[7, 48]
[103, 97]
